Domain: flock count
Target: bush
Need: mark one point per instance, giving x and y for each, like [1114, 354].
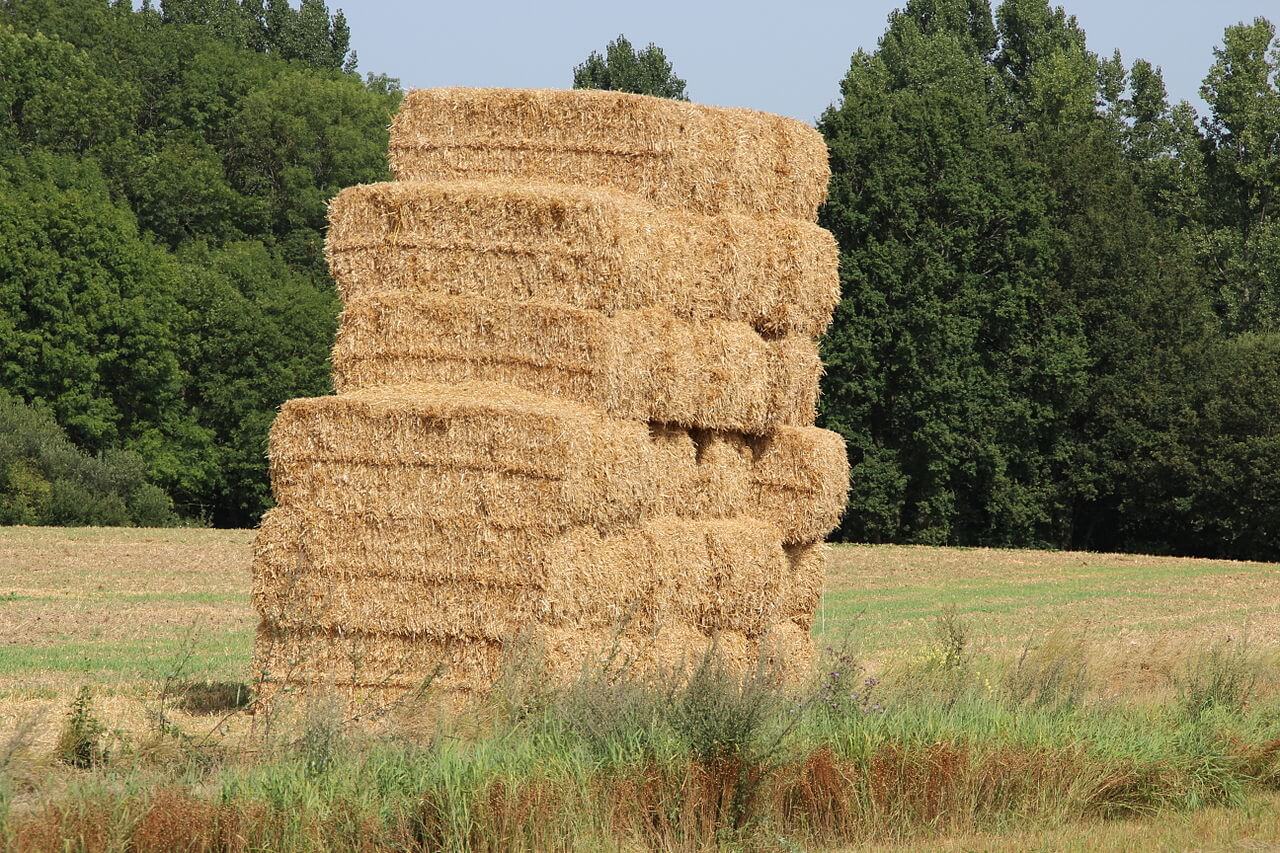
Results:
[46, 479]
[74, 505]
[151, 507]
[25, 496]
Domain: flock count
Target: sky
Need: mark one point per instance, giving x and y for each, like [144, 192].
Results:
[783, 57]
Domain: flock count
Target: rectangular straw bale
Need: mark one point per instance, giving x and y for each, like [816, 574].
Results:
[787, 654]
[719, 575]
[806, 582]
[796, 478]
[642, 365]
[417, 549]
[704, 159]
[354, 658]
[670, 652]
[464, 453]
[484, 455]
[583, 247]
[381, 705]
[384, 666]
[800, 482]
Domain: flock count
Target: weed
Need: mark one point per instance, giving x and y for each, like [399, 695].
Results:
[951, 637]
[81, 743]
[844, 689]
[1051, 674]
[322, 736]
[1220, 677]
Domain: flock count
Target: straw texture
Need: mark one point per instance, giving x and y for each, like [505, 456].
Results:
[482, 454]
[584, 247]
[677, 154]
[723, 575]
[641, 365]
[384, 664]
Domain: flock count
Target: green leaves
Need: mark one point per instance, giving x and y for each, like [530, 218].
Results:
[938, 368]
[622, 69]
[1033, 245]
[162, 208]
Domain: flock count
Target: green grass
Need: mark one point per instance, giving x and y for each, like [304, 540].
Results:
[220, 655]
[933, 751]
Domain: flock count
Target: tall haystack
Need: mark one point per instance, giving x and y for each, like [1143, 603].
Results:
[577, 375]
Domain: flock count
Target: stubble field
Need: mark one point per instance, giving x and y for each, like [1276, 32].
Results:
[132, 613]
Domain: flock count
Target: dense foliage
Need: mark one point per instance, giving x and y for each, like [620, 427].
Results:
[48, 480]
[163, 181]
[623, 69]
[1059, 321]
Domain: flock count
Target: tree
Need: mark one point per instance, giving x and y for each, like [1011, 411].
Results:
[259, 333]
[310, 33]
[622, 69]
[951, 366]
[162, 203]
[1021, 312]
[1243, 92]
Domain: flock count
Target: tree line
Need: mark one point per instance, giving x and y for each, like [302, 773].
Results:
[1060, 321]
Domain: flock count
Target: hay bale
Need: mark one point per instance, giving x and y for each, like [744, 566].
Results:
[800, 481]
[674, 153]
[641, 365]
[808, 577]
[417, 550]
[796, 478]
[484, 456]
[292, 656]
[388, 665]
[787, 651]
[583, 247]
[721, 575]
[467, 454]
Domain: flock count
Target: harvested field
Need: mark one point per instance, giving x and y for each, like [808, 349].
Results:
[120, 609]
[581, 247]
[705, 159]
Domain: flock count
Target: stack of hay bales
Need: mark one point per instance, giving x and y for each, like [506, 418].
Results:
[577, 374]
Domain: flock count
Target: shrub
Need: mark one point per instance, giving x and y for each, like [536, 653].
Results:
[25, 497]
[151, 507]
[45, 479]
[74, 505]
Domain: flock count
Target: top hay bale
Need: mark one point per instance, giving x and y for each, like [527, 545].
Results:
[702, 159]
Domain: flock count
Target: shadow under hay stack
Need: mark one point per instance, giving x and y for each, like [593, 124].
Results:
[577, 373]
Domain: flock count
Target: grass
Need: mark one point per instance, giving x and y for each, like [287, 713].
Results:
[971, 699]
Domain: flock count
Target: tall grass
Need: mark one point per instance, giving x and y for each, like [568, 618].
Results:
[945, 742]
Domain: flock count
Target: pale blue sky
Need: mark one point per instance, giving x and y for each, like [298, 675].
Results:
[782, 57]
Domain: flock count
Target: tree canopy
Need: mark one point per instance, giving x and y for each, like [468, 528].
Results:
[163, 185]
[622, 69]
[1052, 284]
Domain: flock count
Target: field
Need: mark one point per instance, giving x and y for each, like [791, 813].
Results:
[132, 613]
